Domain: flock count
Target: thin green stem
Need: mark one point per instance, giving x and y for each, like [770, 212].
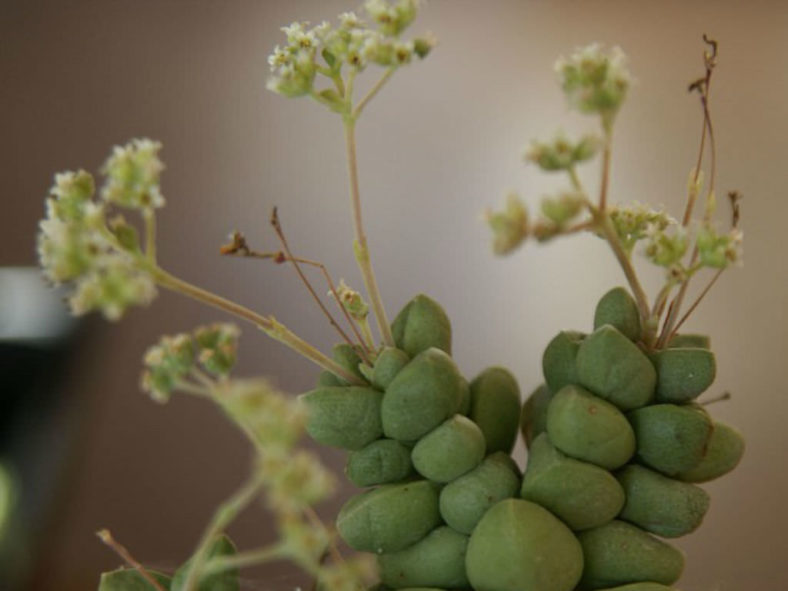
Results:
[366, 333]
[269, 553]
[267, 324]
[224, 515]
[372, 92]
[106, 537]
[604, 182]
[576, 183]
[694, 305]
[149, 215]
[360, 246]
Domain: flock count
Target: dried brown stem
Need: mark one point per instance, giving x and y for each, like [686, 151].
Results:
[105, 536]
[694, 305]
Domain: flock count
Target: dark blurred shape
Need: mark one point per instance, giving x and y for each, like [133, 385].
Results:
[37, 337]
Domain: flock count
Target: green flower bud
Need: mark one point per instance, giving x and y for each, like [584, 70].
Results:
[723, 453]
[618, 553]
[661, 505]
[718, 251]
[495, 407]
[422, 324]
[346, 417]
[380, 462]
[423, 394]
[519, 545]
[700, 341]
[389, 518]
[559, 359]
[218, 347]
[533, 418]
[125, 233]
[129, 579]
[465, 500]
[450, 450]
[436, 560]
[663, 249]
[582, 495]
[392, 18]
[562, 209]
[71, 194]
[510, 226]
[636, 221]
[594, 81]
[116, 285]
[561, 153]
[671, 439]
[295, 480]
[614, 368]
[588, 428]
[224, 581]
[388, 364]
[683, 374]
[619, 309]
[352, 301]
[133, 173]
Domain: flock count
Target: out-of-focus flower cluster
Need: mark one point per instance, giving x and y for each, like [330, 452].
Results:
[174, 359]
[510, 226]
[593, 80]
[76, 244]
[557, 212]
[561, 153]
[351, 43]
[717, 250]
[636, 221]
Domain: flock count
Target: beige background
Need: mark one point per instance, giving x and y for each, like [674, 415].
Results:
[439, 145]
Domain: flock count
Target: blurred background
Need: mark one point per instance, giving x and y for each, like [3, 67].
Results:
[438, 146]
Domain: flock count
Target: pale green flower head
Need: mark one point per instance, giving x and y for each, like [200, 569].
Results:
[666, 244]
[167, 363]
[633, 222]
[295, 480]
[510, 226]
[561, 153]
[392, 18]
[113, 284]
[562, 209]
[305, 544]
[593, 80]
[71, 193]
[352, 301]
[719, 250]
[218, 345]
[133, 173]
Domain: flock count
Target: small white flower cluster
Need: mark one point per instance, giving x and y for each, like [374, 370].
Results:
[561, 153]
[593, 80]
[133, 173]
[635, 221]
[352, 43]
[75, 245]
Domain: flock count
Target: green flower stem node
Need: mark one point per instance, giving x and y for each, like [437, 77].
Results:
[129, 579]
[465, 500]
[223, 581]
[671, 439]
[582, 495]
[519, 545]
[422, 324]
[343, 416]
[495, 407]
[683, 374]
[533, 418]
[388, 364]
[380, 462]
[423, 394]
[619, 309]
[588, 428]
[641, 587]
[700, 341]
[348, 358]
[389, 518]
[619, 553]
[723, 453]
[614, 368]
[559, 360]
[450, 450]
[661, 505]
[436, 560]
